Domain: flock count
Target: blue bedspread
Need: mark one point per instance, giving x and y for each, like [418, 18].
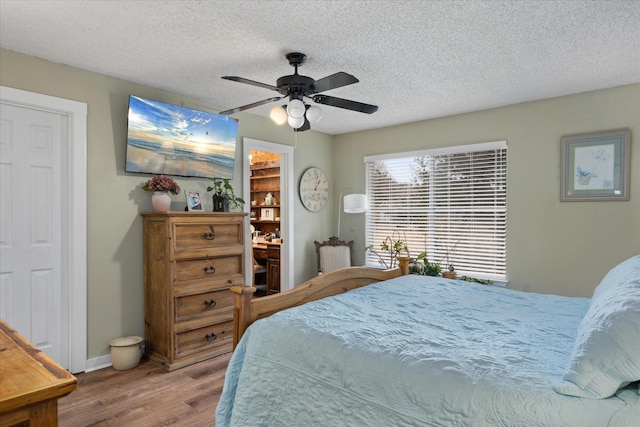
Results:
[412, 351]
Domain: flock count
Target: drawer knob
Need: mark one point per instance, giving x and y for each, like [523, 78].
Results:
[211, 337]
[209, 269]
[209, 235]
[210, 303]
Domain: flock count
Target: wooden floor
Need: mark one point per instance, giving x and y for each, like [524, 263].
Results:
[146, 396]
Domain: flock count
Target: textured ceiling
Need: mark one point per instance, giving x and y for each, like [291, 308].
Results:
[414, 59]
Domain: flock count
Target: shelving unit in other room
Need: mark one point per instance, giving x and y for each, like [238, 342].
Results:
[265, 179]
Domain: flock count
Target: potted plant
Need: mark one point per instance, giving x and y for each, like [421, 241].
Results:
[224, 197]
[390, 250]
[161, 185]
[394, 251]
[451, 273]
[423, 267]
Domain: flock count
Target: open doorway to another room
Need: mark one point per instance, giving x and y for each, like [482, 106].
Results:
[268, 190]
[266, 239]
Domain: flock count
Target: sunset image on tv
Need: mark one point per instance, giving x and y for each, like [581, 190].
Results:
[173, 140]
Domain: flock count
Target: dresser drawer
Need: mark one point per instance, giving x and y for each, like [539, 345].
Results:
[214, 303]
[205, 338]
[219, 268]
[188, 236]
[273, 251]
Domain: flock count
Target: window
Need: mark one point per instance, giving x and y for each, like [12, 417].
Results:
[447, 201]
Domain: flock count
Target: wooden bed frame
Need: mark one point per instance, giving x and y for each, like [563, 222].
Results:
[247, 309]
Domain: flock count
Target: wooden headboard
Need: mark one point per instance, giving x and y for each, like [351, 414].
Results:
[247, 309]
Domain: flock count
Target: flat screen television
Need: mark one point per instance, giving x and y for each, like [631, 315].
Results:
[173, 140]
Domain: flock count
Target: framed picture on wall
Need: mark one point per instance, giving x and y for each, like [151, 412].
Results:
[595, 166]
[194, 203]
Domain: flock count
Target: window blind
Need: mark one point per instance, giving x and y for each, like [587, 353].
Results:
[450, 203]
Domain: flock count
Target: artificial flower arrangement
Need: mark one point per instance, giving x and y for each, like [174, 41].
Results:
[161, 183]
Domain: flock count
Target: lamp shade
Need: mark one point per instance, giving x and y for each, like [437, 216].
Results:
[296, 108]
[278, 114]
[314, 114]
[355, 203]
[295, 122]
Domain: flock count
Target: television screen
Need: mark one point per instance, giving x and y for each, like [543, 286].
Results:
[173, 140]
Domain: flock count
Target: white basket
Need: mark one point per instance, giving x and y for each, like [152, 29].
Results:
[125, 352]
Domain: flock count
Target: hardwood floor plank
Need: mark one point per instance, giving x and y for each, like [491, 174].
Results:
[146, 396]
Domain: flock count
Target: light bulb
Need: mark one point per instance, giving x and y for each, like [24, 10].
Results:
[278, 115]
[314, 114]
[295, 108]
[295, 122]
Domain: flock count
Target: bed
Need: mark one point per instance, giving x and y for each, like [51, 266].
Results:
[362, 347]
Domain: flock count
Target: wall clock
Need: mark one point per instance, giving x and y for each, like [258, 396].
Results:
[314, 189]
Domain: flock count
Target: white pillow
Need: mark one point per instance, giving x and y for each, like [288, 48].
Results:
[606, 353]
[626, 270]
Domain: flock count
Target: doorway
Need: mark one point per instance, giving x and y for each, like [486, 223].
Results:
[43, 223]
[270, 213]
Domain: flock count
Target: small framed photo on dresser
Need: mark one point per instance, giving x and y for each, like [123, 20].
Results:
[194, 203]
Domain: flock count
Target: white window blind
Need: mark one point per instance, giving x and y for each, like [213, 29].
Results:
[442, 201]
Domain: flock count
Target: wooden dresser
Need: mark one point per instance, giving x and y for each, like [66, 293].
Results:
[191, 259]
[30, 382]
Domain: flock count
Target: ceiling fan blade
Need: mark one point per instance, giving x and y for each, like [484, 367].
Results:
[250, 82]
[333, 81]
[345, 103]
[246, 107]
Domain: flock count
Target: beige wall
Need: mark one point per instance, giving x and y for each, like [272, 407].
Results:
[552, 247]
[115, 274]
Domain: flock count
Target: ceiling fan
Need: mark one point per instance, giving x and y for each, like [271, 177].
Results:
[296, 87]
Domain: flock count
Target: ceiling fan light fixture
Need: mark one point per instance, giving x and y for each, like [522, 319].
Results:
[296, 108]
[295, 122]
[279, 115]
[314, 114]
[295, 88]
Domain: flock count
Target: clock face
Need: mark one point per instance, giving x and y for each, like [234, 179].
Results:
[314, 189]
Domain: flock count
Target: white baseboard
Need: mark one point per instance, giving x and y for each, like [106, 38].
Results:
[99, 362]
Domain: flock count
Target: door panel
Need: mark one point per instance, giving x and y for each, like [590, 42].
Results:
[32, 149]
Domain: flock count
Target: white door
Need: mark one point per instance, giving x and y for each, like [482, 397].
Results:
[30, 237]
[35, 221]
